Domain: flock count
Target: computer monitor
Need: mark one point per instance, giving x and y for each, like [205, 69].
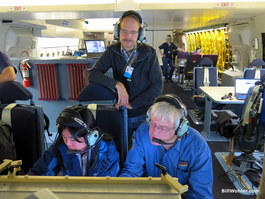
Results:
[95, 46]
[242, 87]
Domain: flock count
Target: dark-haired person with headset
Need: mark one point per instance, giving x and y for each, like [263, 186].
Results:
[80, 149]
[7, 71]
[137, 76]
[166, 138]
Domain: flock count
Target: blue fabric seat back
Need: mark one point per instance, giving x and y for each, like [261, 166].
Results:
[206, 62]
[198, 79]
[114, 122]
[28, 131]
[108, 118]
[94, 92]
[250, 73]
[12, 91]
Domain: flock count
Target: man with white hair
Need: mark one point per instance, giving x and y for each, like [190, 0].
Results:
[166, 138]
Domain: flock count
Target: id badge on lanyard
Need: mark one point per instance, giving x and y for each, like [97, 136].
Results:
[129, 69]
[128, 72]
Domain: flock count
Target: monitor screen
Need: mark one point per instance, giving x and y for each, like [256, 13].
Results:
[242, 85]
[95, 46]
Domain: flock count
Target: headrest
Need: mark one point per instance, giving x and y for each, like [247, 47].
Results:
[206, 62]
[94, 92]
[12, 91]
[257, 62]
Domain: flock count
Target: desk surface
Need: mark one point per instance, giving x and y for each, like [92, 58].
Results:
[217, 92]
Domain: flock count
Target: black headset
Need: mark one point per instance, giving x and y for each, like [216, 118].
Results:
[71, 118]
[175, 101]
[141, 31]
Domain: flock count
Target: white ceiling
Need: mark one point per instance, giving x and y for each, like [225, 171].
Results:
[166, 17]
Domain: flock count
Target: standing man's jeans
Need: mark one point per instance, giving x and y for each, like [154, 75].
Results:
[167, 62]
[133, 123]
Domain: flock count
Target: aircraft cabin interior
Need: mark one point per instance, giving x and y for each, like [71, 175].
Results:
[54, 44]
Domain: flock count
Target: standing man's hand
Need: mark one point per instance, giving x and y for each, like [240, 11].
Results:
[123, 97]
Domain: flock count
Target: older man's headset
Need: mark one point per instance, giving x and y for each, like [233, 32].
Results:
[141, 31]
[71, 118]
[183, 126]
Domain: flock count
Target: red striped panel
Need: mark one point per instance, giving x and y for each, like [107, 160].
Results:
[78, 77]
[48, 84]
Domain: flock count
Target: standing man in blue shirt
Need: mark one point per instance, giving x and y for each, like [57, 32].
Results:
[7, 71]
[137, 76]
[166, 138]
[167, 57]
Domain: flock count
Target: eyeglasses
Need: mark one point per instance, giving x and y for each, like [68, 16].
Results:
[133, 32]
[162, 129]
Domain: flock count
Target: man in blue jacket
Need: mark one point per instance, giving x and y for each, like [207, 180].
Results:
[80, 149]
[7, 71]
[137, 76]
[166, 138]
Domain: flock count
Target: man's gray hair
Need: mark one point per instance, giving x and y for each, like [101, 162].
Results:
[167, 111]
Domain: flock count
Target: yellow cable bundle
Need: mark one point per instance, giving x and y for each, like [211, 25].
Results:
[212, 42]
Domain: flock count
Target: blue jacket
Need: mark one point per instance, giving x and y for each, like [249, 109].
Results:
[189, 160]
[105, 164]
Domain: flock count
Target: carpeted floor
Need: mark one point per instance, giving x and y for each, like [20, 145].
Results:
[221, 179]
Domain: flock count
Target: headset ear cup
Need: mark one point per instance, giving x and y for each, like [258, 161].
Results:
[148, 115]
[93, 137]
[182, 128]
[141, 36]
[116, 31]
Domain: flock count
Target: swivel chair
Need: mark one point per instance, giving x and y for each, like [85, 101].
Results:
[192, 61]
[256, 70]
[213, 58]
[204, 75]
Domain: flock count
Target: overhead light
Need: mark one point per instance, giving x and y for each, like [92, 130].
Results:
[65, 23]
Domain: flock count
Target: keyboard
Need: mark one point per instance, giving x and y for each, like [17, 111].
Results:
[241, 97]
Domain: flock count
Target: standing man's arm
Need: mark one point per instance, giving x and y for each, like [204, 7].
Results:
[160, 50]
[155, 87]
[123, 96]
[162, 54]
[97, 75]
[179, 49]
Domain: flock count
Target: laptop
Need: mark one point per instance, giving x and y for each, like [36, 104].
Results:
[242, 86]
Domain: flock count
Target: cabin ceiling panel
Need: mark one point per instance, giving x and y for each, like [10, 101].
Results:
[165, 19]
